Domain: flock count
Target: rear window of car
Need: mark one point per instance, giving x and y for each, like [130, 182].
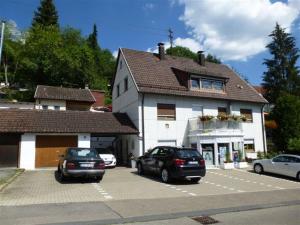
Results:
[104, 151]
[83, 153]
[187, 153]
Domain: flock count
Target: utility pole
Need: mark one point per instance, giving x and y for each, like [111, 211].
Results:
[170, 37]
[1, 46]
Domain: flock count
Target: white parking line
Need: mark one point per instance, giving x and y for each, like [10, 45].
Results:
[192, 194]
[102, 191]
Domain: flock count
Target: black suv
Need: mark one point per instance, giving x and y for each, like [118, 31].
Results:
[81, 162]
[173, 163]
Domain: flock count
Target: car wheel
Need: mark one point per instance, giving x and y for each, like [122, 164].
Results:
[298, 176]
[61, 175]
[258, 169]
[195, 180]
[165, 176]
[140, 169]
[98, 179]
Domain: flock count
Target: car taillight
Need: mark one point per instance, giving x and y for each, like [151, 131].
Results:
[202, 162]
[100, 165]
[179, 162]
[70, 165]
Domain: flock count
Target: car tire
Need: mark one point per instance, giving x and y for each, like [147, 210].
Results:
[298, 176]
[61, 175]
[140, 169]
[195, 180]
[98, 179]
[165, 175]
[258, 168]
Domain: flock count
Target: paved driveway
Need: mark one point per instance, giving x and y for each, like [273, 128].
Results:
[39, 187]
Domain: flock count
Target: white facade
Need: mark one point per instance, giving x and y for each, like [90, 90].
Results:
[178, 132]
[51, 104]
[28, 148]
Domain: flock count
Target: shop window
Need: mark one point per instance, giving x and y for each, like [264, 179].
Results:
[248, 114]
[166, 111]
[222, 111]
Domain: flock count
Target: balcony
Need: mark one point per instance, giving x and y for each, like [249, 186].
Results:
[215, 127]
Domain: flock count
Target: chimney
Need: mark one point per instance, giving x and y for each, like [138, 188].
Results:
[201, 58]
[161, 50]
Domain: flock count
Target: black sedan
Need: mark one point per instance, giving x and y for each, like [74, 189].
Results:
[81, 162]
[173, 163]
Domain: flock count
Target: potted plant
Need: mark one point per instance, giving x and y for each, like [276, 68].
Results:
[241, 161]
[223, 117]
[228, 163]
[206, 118]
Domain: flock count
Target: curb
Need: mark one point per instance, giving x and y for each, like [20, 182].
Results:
[11, 179]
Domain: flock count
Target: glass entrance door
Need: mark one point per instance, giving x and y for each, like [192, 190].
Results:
[208, 153]
[222, 149]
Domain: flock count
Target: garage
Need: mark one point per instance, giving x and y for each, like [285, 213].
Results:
[9, 150]
[48, 149]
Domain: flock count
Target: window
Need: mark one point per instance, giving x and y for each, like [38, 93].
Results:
[44, 107]
[166, 111]
[198, 83]
[248, 114]
[121, 64]
[195, 83]
[222, 111]
[280, 159]
[126, 84]
[56, 107]
[206, 84]
[118, 90]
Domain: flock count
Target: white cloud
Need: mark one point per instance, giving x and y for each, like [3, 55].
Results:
[235, 29]
[185, 42]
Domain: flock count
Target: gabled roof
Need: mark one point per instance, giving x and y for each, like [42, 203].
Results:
[156, 76]
[62, 93]
[52, 121]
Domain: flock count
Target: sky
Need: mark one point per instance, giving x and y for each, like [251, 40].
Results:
[234, 30]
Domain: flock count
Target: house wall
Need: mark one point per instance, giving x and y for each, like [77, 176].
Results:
[50, 103]
[158, 130]
[127, 102]
[28, 148]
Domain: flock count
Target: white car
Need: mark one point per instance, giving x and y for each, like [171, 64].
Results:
[108, 157]
[288, 165]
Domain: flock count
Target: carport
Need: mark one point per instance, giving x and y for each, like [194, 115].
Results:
[40, 136]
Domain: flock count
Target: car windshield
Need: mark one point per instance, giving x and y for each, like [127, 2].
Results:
[104, 151]
[83, 153]
[188, 153]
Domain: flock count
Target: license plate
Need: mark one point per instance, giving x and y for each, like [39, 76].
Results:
[193, 162]
[86, 165]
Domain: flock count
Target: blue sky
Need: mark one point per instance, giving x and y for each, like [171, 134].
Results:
[234, 30]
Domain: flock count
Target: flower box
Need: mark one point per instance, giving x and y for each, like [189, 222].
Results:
[227, 166]
[241, 165]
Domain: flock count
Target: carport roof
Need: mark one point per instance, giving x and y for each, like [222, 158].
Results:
[50, 121]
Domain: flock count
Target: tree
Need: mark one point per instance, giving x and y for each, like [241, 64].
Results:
[286, 114]
[92, 39]
[213, 59]
[46, 14]
[187, 53]
[282, 73]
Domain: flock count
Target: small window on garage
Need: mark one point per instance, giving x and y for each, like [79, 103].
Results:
[56, 107]
[126, 84]
[248, 114]
[44, 107]
[118, 90]
[166, 111]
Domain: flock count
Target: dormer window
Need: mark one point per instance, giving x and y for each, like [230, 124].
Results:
[205, 84]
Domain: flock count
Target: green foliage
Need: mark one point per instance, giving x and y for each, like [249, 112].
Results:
[282, 73]
[46, 14]
[213, 59]
[227, 156]
[294, 144]
[260, 155]
[181, 52]
[92, 39]
[286, 113]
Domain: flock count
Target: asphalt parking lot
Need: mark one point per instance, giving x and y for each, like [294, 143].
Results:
[41, 187]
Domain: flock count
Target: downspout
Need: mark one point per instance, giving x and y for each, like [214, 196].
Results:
[263, 128]
[143, 124]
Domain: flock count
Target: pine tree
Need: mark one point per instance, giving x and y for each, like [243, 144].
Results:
[282, 74]
[46, 14]
[92, 39]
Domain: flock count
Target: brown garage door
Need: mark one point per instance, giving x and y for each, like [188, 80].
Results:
[9, 150]
[48, 149]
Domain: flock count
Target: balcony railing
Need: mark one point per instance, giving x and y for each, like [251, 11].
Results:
[195, 124]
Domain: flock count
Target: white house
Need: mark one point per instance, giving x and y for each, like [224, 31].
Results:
[167, 98]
